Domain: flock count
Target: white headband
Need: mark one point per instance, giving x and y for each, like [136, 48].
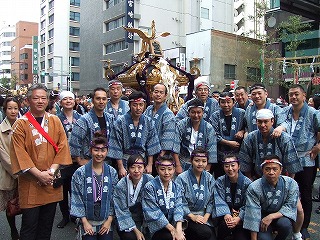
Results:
[65, 94]
[264, 114]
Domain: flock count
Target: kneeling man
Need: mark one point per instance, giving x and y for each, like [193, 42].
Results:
[271, 202]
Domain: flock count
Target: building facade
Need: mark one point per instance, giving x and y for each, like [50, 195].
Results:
[21, 53]
[249, 17]
[7, 34]
[103, 38]
[59, 44]
[240, 61]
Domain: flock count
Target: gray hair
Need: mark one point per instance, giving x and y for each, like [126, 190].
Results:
[36, 87]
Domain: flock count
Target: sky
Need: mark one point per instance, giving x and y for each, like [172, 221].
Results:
[12, 11]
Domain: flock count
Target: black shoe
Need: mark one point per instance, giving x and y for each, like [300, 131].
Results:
[63, 223]
[15, 235]
[317, 210]
[73, 219]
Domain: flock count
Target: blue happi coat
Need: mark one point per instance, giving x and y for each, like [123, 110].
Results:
[198, 199]
[218, 122]
[127, 139]
[164, 120]
[210, 107]
[65, 123]
[253, 149]
[82, 192]
[83, 132]
[124, 217]
[305, 133]
[263, 199]
[123, 108]
[206, 138]
[156, 215]
[251, 111]
[223, 186]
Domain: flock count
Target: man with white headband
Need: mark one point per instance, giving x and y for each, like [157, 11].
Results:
[191, 132]
[202, 91]
[85, 127]
[116, 106]
[133, 133]
[259, 96]
[228, 123]
[271, 202]
[68, 117]
[260, 143]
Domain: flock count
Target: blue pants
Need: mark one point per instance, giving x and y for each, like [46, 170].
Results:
[282, 225]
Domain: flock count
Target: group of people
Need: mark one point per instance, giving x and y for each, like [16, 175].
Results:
[218, 168]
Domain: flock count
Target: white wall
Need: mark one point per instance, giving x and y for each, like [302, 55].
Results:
[199, 46]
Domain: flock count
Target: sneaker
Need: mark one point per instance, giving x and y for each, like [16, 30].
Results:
[305, 234]
[296, 236]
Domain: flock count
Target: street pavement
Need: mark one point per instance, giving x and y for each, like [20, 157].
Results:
[69, 233]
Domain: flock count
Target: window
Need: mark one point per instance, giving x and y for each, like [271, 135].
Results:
[42, 65]
[111, 3]
[115, 23]
[8, 34]
[42, 37]
[24, 77]
[75, 61]
[42, 51]
[6, 53]
[50, 62]
[74, 46]
[75, 16]
[51, 4]
[6, 44]
[13, 49]
[114, 47]
[75, 2]
[43, 24]
[51, 18]
[74, 31]
[75, 76]
[50, 33]
[23, 66]
[253, 74]
[205, 13]
[42, 11]
[229, 71]
[50, 48]
[274, 4]
[23, 56]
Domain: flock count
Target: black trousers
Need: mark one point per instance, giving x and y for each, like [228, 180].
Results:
[238, 233]
[162, 234]
[37, 222]
[304, 180]
[199, 231]
[67, 176]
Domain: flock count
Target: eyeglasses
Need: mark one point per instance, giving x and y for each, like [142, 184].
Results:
[202, 90]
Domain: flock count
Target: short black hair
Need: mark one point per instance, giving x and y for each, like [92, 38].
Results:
[134, 158]
[195, 103]
[98, 89]
[240, 88]
[200, 150]
[136, 95]
[297, 86]
[226, 94]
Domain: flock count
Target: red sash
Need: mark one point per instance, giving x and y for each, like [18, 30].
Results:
[34, 122]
